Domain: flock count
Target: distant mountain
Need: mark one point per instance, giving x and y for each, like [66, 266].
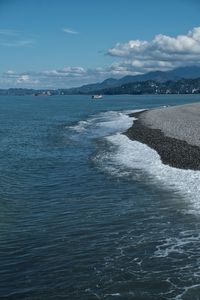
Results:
[185, 80]
[191, 72]
[91, 88]
[160, 76]
[181, 86]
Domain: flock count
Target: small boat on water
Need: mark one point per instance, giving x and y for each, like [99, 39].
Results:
[97, 96]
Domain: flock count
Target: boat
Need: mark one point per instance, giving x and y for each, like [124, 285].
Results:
[97, 96]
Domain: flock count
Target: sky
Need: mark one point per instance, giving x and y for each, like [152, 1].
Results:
[66, 43]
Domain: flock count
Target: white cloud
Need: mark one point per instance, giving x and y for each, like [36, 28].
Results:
[66, 72]
[162, 53]
[15, 38]
[61, 78]
[23, 78]
[10, 72]
[17, 43]
[133, 58]
[70, 31]
[11, 78]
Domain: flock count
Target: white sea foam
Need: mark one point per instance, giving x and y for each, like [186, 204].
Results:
[127, 155]
[80, 127]
[117, 121]
[172, 245]
[105, 123]
[133, 154]
[186, 292]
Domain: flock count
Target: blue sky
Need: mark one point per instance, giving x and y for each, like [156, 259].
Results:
[64, 43]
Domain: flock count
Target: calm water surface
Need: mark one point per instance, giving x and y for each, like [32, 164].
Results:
[86, 213]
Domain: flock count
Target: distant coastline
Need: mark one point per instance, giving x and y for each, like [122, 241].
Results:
[149, 87]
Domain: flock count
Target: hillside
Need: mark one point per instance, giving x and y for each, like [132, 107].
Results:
[158, 76]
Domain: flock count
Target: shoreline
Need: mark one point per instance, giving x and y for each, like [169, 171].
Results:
[173, 151]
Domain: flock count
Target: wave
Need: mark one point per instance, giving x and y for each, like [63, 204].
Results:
[125, 157]
[135, 155]
[120, 156]
[104, 123]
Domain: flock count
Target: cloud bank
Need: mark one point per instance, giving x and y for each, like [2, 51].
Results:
[133, 57]
[61, 78]
[162, 53]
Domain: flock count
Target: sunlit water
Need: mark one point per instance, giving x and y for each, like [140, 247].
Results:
[85, 213]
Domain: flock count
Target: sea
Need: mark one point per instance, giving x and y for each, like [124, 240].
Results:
[86, 213]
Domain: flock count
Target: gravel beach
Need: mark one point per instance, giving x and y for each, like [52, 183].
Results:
[174, 132]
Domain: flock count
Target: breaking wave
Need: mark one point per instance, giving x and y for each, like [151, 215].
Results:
[120, 156]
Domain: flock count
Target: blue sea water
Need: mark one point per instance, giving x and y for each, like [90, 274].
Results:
[85, 213]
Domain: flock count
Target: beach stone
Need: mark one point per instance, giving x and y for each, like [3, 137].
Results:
[173, 132]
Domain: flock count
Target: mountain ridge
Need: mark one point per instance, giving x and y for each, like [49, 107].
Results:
[189, 72]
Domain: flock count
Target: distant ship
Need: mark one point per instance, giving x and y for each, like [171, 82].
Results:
[97, 96]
